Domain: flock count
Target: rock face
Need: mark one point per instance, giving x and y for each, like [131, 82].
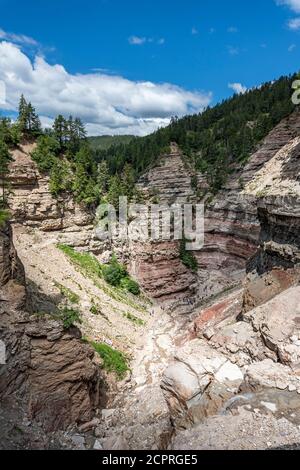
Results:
[12, 274]
[232, 226]
[198, 382]
[252, 333]
[33, 205]
[157, 264]
[47, 368]
[276, 265]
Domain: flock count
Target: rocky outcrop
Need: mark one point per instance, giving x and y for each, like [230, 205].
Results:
[232, 223]
[33, 205]
[12, 274]
[156, 264]
[49, 369]
[198, 383]
[276, 265]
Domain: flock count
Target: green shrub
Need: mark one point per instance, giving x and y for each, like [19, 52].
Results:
[114, 272]
[130, 285]
[95, 309]
[113, 360]
[116, 275]
[4, 217]
[187, 257]
[45, 154]
[133, 319]
[69, 317]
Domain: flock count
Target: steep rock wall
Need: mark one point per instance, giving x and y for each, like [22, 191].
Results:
[33, 205]
[232, 227]
[48, 369]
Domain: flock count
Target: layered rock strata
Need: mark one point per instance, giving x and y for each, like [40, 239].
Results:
[47, 368]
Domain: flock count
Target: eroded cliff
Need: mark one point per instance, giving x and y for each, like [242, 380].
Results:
[49, 375]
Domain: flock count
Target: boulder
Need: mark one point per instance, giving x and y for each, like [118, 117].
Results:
[198, 372]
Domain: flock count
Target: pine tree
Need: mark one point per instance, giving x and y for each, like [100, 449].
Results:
[102, 177]
[5, 158]
[128, 181]
[115, 191]
[23, 115]
[28, 120]
[60, 131]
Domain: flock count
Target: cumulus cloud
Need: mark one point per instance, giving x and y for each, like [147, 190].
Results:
[292, 47]
[232, 29]
[292, 4]
[108, 104]
[294, 24]
[237, 88]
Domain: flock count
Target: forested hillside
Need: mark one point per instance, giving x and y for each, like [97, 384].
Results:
[215, 139]
[104, 142]
[216, 142]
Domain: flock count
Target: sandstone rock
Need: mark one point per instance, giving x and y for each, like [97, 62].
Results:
[271, 375]
[115, 443]
[48, 368]
[198, 370]
[277, 321]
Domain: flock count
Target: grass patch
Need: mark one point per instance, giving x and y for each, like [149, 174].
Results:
[4, 217]
[113, 360]
[134, 319]
[86, 262]
[68, 293]
[68, 316]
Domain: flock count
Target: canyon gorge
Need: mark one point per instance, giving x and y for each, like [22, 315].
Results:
[214, 353]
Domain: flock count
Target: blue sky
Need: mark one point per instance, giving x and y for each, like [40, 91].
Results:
[189, 51]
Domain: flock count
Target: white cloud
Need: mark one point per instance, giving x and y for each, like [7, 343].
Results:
[108, 104]
[195, 31]
[238, 88]
[139, 41]
[233, 50]
[18, 38]
[291, 47]
[136, 40]
[294, 24]
[292, 4]
[232, 29]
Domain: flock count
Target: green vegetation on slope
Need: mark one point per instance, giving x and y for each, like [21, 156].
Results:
[113, 360]
[69, 317]
[215, 141]
[4, 217]
[85, 261]
[187, 257]
[104, 142]
[113, 273]
[68, 293]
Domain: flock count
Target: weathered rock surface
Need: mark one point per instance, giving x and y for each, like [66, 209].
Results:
[232, 223]
[243, 431]
[47, 367]
[32, 204]
[198, 382]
